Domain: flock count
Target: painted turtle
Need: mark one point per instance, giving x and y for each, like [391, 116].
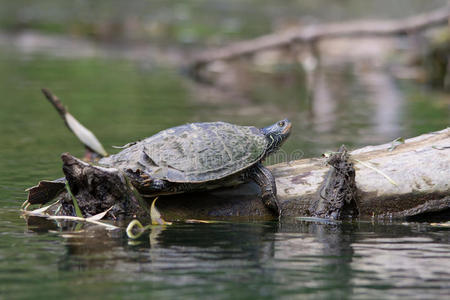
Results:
[202, 156]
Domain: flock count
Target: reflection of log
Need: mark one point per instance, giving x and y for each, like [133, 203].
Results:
[317, 32]
[420, 167]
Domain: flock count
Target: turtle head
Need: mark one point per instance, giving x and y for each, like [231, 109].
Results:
[276, 134]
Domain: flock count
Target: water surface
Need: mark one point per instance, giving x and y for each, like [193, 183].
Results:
[242, 260]
[124, 100]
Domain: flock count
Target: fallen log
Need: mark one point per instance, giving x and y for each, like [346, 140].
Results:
[420, 169]
[314, 33]
[394, 180]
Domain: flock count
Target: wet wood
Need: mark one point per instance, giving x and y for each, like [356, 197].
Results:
[98, 189]
[420, 169]
[314, 33]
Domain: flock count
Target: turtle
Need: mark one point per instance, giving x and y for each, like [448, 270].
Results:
[202, 156]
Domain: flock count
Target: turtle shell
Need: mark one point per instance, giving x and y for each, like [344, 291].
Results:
[196, 152]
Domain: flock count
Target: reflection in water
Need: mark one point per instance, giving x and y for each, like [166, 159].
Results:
[365, 103]
[324, 102]
[410, 262]
[387, 101]
[267, 259]
[324, 251]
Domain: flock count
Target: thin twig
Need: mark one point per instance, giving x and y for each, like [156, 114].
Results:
[71, 218]
[82, 133]
[377, 170]
[56, 103]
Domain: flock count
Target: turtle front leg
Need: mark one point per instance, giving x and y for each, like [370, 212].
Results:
[156, 185]
[264, 178]
[147, 185]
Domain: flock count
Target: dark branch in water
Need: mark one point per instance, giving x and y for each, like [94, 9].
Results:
[311, 34]
[56, 103]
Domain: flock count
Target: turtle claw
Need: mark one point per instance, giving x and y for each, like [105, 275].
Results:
[25, 204]
[146, 180]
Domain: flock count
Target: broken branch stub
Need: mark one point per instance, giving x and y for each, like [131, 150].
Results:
[82, 133]
[337, 196]
[97, 189]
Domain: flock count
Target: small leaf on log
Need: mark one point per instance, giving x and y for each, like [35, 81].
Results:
[100, 215]
[201, 221]
[377, 170]
[72, 218]
[155, 215]
[38, 212]
[395, 143]
[84, 135]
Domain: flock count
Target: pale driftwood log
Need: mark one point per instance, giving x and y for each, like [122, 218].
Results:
[420, 167]
[311, 34]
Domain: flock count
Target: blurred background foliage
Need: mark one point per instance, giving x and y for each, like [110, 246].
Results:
[197, 21]
[118, 66]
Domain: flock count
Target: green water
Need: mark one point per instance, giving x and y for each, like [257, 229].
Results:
[122, 102]
[229, 261]
[125, 100]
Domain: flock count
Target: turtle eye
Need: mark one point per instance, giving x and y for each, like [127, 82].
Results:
[281, 123]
